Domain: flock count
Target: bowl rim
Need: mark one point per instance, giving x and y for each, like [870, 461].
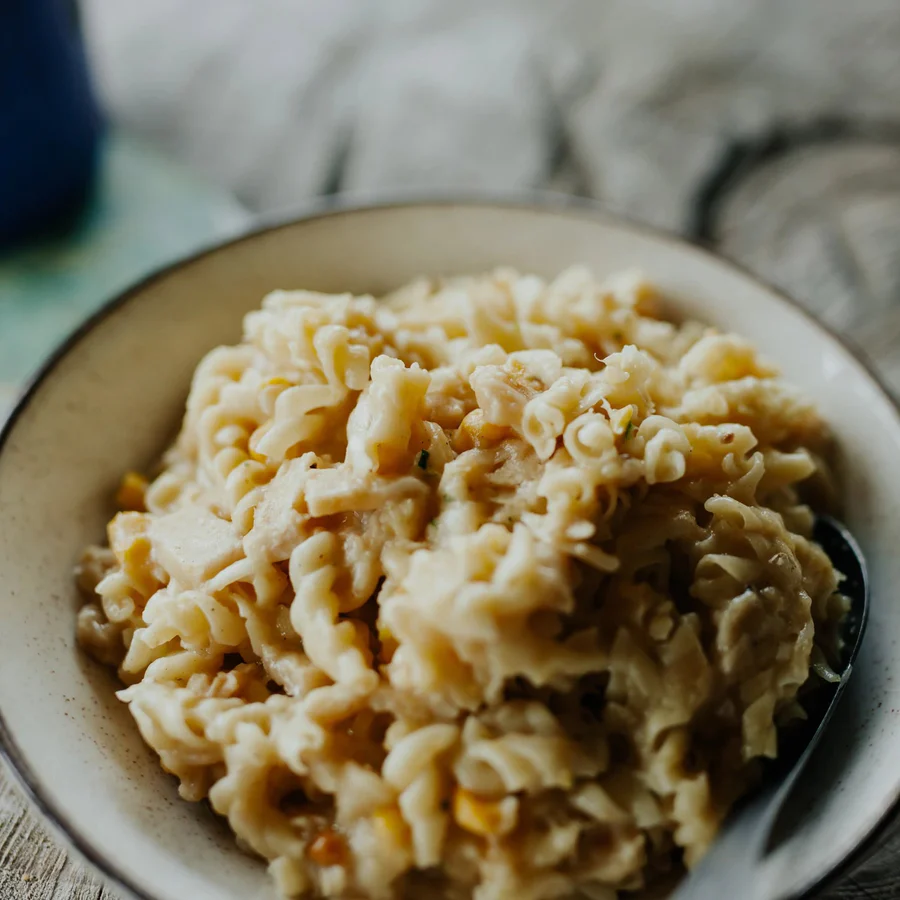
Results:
[350, 204]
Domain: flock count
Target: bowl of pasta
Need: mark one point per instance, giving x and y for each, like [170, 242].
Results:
[443, 549]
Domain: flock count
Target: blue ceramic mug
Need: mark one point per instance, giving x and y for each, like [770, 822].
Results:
[49, 122]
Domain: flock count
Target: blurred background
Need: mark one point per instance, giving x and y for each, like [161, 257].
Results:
[768, 129]
[134, 132]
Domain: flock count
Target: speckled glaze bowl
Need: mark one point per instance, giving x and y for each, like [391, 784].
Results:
[110, 399]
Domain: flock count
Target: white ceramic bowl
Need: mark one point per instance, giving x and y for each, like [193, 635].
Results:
[110, 399]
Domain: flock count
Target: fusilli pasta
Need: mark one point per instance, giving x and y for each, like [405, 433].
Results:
[493, 587]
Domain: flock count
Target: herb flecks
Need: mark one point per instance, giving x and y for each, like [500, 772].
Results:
[628, 429]
[422, 460]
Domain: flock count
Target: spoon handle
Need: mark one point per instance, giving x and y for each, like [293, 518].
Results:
[732, 863]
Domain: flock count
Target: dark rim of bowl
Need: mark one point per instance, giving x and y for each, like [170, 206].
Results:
[341, 205]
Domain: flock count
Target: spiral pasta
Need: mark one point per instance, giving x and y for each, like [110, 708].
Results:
[493, 587]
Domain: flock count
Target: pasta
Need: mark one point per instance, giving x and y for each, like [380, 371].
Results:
[492, 587]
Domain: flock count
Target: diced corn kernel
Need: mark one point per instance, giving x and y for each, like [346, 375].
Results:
[137, 555]
[391, 825]
[486, 818]
[130, 495]
[389, 821]
[328, 849]
[622, 420]
[128, 540]
[388, 642]
[124, 529]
